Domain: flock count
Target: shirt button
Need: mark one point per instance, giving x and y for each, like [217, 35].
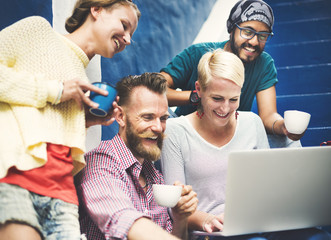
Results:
[146, 211]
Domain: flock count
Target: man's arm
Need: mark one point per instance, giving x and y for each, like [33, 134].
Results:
[272, 121]
[267, 107]
[175, 98]
[145, 229]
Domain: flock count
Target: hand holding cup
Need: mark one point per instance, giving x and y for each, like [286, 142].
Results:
[180, 198]
[105, 102]
[167, 195]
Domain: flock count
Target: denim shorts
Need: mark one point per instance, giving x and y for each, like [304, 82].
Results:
[52, 218]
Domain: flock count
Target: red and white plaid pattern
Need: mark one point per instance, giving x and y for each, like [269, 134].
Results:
[111, 197]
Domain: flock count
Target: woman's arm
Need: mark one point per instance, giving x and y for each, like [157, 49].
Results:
[202, 221]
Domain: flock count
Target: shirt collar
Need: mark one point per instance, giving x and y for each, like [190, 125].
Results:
[130, 161]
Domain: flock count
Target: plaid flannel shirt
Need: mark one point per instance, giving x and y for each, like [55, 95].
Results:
[111, 198]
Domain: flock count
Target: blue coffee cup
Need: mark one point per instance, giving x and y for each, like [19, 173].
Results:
[105, 102]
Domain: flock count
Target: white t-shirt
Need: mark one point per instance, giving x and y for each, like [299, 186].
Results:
[190, 159]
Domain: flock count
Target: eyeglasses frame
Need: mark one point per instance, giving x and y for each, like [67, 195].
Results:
[270, 35]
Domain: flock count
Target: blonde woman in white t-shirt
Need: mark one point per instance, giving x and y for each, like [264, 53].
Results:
[196, 148]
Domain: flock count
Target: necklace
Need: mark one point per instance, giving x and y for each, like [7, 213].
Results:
[144, 186]
[200, 115]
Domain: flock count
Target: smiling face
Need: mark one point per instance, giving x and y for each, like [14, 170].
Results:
[145, 123]
[248, 49]
[220, 100]
[113, 29]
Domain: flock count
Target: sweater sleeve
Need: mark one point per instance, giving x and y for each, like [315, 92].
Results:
[19, 85]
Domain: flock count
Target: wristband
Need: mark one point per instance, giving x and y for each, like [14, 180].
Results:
[273, 125]
[194, 98]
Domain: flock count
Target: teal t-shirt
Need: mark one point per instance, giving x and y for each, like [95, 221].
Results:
[260, 74]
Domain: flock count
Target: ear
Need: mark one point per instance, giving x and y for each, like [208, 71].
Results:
[95, 11]
[232, 34]
[198, 88]
[120, 117]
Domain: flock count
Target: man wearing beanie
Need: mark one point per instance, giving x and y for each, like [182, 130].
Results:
[250, 26]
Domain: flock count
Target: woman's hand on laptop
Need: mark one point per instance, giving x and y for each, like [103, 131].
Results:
[213, 223]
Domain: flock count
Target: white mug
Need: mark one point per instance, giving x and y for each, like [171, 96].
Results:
[296, 122]
[167, 195]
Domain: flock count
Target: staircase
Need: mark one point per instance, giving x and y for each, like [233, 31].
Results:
[301, 49]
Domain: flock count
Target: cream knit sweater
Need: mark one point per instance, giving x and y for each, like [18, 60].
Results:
[34, 59]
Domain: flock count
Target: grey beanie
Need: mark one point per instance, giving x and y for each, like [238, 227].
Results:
[249, 10]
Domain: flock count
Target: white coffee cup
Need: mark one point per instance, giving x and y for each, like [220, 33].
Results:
[167, 195]
[296, 122]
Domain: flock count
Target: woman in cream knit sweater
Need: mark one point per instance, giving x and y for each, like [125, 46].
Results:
[42, 118]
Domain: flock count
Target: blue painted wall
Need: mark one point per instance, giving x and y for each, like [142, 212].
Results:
[14, 10]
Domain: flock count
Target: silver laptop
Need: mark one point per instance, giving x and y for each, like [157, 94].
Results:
[277, 189]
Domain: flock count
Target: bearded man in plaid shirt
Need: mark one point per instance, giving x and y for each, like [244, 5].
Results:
[115, 188]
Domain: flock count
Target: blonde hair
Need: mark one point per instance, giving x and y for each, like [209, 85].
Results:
[220, 64]
[82, 10]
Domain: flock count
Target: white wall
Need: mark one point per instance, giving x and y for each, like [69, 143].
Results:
[62, 9]
[214, 29]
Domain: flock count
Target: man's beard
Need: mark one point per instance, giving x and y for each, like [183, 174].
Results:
[235, 49]
[135, 144]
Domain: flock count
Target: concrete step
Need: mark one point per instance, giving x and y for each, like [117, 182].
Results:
[304, 79]
[285, 10]
[315, 136]
[318, 105]
[303, 53]
[301, 31]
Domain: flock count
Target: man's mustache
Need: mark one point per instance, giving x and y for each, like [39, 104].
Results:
[149, 134]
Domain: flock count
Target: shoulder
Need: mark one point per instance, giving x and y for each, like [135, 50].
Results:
[202, 48]
[265, 58]
[250, 123]
[105, 148]
[178, 129]
[177, 123]
[248, 117]
[34, 27]
[262, 68]
[108, 150]
[37, 20]
[34, 22]
[110, 156]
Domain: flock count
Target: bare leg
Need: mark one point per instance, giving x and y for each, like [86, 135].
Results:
[17, 231]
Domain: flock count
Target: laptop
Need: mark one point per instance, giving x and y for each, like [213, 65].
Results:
[277, 189]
